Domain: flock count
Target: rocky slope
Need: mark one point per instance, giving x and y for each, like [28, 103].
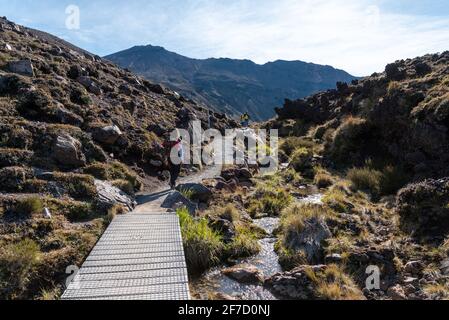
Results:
[231, 86]
[78, 136]
[377, 149]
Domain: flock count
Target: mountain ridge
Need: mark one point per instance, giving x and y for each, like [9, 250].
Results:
[230, 85]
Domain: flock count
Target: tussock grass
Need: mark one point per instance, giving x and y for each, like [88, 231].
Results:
[334, 284]
[301, 159]
[268, 201]
[337, 200]
[29, 206]
[202, 245]
[17, 263]
[114, 171]
[365, 179]
[245, 244]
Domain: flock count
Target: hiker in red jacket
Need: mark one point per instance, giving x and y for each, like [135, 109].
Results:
[173, 148]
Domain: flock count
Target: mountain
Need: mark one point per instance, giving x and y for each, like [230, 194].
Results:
[231, 86]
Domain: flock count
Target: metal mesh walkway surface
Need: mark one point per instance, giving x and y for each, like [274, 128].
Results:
[139, 257]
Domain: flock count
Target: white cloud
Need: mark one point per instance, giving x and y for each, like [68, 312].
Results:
[354, 35]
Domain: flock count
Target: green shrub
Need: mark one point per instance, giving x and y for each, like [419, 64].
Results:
[202, 245]
[17, 263]
[28, 206]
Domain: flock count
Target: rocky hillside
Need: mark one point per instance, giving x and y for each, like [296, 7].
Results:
[78, 136]
[377, 150]
[231, 86]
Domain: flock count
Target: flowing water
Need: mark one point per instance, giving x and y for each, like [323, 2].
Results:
[214, 282]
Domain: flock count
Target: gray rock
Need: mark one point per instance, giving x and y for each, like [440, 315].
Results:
[67, 117]
[89, 84]
[225, 227]
[414, 267]
[6, 46]
[294, 284]
[396, 293]
[156, 163]
[333, 258]
[445, 267]
[107, 135]
[176, 200]
[22, 67]
[67, 151]
[245, 274]
[109, 196]
[310, 239]
[200, 192]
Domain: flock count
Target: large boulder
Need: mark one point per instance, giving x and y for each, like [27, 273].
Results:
[199, 192]
[176, 200]
[22, 67]
[109, 196]
[68, 151]
[423, 207]
[107, 135]
[245, 273]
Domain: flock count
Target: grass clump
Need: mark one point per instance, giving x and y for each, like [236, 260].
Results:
[114, 171]
[17, 263]
[29, 206]
[348, 138]
[202, 245]
[365, 179]
[378, 182]
[78, 186]
[322, 178]
[269, 201]
[301, 159]
[334, 284]
[337, 200]
[245, 244]
[230, 213]
[293, 223]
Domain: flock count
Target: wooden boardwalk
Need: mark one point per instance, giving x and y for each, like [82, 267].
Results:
[139, 257]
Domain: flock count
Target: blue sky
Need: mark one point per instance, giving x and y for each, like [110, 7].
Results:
[360, 36]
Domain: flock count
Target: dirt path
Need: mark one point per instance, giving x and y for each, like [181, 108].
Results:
[152, 202]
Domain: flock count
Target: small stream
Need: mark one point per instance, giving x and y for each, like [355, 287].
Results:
[214, 282]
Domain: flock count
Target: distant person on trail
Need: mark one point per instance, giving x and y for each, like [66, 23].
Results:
[175, 156]
[245, 120]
